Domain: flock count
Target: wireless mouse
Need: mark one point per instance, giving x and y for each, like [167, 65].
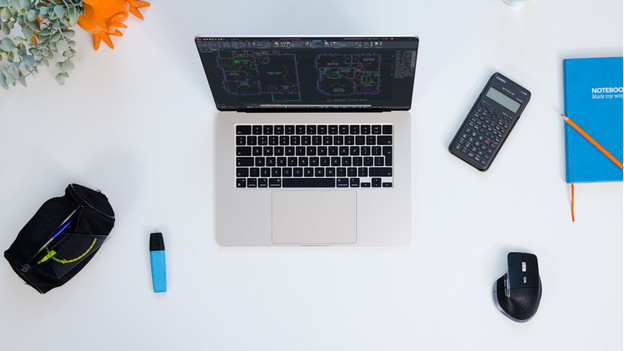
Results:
[517, 294]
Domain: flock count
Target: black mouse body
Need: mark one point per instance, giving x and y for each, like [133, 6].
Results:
[517, 294]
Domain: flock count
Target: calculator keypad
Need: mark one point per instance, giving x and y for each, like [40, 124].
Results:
[482, 133]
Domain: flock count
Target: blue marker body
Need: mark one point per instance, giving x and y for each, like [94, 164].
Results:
[157, 258]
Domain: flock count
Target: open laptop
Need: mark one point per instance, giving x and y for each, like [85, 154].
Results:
[313, 139]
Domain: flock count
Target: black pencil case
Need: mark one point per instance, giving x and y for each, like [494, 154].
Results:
[81, 220]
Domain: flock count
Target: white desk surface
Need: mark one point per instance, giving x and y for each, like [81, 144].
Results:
[138, 122]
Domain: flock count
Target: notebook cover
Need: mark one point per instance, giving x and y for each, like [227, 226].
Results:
[593, 100]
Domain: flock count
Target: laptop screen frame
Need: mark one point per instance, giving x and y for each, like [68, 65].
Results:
[311, 108]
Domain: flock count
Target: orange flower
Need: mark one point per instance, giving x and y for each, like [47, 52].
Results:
[102, 18]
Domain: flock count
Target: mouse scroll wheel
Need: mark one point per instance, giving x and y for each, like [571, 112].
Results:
[524, 278]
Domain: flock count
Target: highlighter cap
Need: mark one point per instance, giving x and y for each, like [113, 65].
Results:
[156, 242]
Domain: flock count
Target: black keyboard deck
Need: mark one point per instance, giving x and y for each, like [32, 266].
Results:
[314, 156]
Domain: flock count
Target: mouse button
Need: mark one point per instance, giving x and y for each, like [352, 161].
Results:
[531, 275]
[514, 270]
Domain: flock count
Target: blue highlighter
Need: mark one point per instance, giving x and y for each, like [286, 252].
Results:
[157, 258]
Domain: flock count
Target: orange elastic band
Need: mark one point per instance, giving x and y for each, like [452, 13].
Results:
[572, 204]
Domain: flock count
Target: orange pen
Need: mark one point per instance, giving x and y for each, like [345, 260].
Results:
[592, 141]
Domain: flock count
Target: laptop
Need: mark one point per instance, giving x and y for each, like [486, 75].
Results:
[313, 139]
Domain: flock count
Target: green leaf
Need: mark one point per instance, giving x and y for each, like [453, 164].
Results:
[55, 37]
[29, 60]
[60, 79]
[35, 25]
[59, 66]
[4, 3]
[67, 65]
[5, 29]
[7, 44]
[69, 34]
[6, 13]
[24, 3]
[61, 45]
[32, 15]
[28, 32]
[43, 9]
[22, 80]
[59, 10]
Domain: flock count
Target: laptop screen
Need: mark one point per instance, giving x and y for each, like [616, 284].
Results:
[309, 73]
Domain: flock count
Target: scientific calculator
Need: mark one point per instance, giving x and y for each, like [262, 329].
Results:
[489, 122]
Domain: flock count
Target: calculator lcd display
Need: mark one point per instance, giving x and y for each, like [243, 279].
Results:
[503, 99]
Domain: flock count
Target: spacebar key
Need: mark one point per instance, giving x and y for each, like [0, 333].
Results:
[308, 182]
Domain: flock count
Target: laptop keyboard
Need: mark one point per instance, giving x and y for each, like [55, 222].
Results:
[314, 156]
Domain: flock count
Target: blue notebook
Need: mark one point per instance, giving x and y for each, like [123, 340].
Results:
[593, 100]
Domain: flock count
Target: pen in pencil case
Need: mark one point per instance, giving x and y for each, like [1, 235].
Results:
[66, 223]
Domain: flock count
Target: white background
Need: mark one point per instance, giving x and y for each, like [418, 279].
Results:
[137, 122]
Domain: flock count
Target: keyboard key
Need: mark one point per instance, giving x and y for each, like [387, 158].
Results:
[243, 130]
[244, 161]
[387, 129]
[252, 140]
[342, 182]
[380, 172]
[387, 152]
[384, 140]
[241, 182]
[309, 183]
[243, 151]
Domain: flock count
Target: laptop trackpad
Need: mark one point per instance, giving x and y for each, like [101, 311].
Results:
[314, 217]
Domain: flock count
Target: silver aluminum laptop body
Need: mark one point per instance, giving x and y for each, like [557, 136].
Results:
[308, 216]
